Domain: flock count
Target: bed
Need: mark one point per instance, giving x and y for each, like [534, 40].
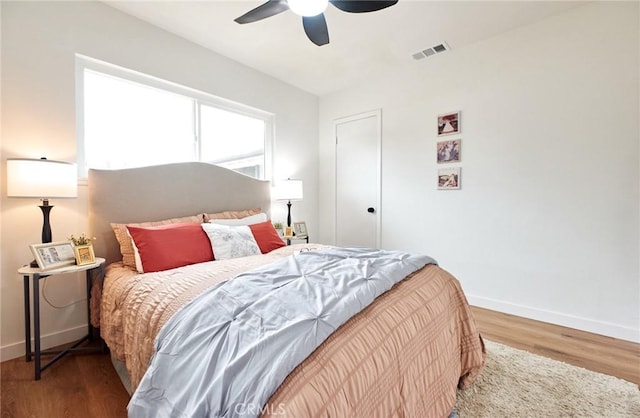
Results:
[403, 351]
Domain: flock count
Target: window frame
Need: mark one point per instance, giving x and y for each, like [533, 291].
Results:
[199, 98]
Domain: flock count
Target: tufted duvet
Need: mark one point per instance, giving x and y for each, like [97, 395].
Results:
[402, 355]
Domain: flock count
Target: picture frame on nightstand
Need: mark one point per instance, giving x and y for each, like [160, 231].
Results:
[288, 232]
[84, 254]
[300, 229]
[52, 255]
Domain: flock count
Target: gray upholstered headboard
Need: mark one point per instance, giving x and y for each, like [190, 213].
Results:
[163, 192]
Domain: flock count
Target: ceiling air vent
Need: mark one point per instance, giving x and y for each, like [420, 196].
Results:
[441, 47]
[418, 56]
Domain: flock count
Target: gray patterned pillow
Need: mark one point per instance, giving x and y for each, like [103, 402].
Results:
[231, 241]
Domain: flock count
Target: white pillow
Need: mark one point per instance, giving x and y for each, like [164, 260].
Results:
[231, 241]
[248, 220]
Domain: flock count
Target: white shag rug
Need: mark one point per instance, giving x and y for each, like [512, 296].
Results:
[515, 383]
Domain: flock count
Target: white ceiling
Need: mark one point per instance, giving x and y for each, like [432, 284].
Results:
[361, 45]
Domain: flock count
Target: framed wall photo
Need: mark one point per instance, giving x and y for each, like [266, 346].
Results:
[84, 254]
[300, 228]
[54, 254]
[449, 151]
[449, 178]
[449, 123]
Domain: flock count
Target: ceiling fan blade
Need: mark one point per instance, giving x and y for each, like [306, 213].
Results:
[361, 6]
[316, 29]
[268, 9]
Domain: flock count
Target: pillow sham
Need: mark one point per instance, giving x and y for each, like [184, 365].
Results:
[248, 220]
[266, 236]
[169, 246]
[229, 214]
[230, 241]
[124, 240]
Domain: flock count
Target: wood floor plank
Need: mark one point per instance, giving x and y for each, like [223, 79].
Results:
[78, 385]
[86, 385]
[104, 386]
[595, 352]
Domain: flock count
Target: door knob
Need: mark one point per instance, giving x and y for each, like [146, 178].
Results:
[371, 210]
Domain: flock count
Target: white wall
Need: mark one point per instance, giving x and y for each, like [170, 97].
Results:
[39, 41]
[546, 224]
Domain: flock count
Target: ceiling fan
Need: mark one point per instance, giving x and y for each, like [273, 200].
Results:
[312, 12]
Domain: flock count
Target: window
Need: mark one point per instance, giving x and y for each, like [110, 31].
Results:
[232, 140]
[128, 119]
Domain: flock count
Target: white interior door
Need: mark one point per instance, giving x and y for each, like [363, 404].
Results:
[358, 141]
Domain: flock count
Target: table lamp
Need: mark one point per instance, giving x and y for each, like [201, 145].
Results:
[288, 190]
[41, 179]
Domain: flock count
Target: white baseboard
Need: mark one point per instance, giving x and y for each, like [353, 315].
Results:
[558, 318]
[11, 351]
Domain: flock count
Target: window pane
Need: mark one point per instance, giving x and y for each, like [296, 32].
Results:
[232, 140]
[127, 124]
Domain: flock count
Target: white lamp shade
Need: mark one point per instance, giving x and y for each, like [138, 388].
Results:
[288, 190]
[41, 178]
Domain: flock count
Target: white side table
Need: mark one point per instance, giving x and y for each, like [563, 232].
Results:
[93, 271]
[296, 238]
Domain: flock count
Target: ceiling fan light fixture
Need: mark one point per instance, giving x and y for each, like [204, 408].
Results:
[308, 7]
[312, 12]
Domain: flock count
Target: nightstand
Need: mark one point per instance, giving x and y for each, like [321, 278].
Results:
[93, 271]
[294, 238]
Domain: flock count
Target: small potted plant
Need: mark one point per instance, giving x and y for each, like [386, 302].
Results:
[278, 227]
[83, 249]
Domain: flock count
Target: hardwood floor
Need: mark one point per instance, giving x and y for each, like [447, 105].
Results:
[591, 351]
[87, 385]
[78, 385]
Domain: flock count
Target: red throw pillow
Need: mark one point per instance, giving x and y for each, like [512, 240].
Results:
[169, 246]
[266, 236]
